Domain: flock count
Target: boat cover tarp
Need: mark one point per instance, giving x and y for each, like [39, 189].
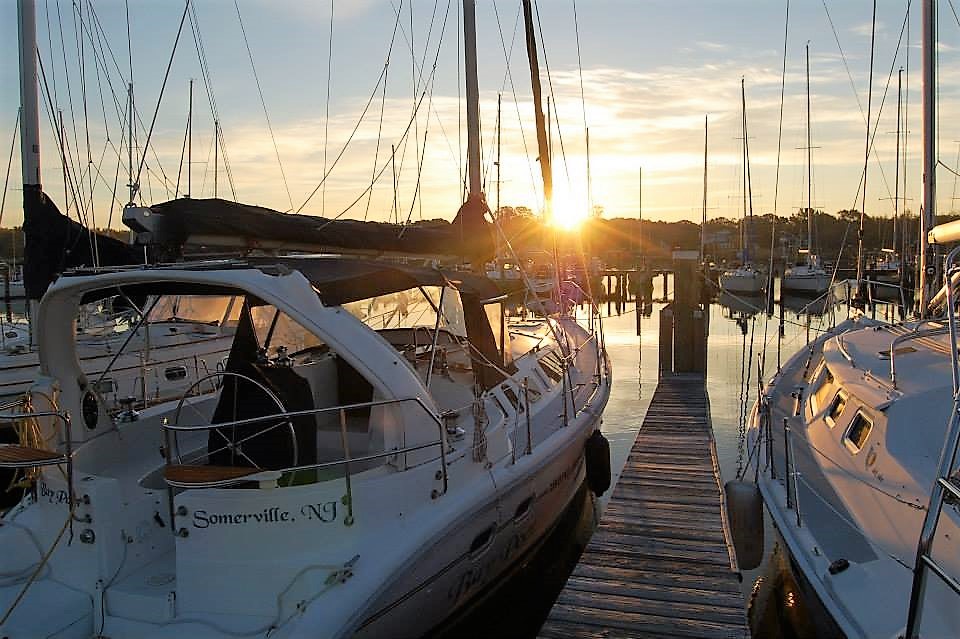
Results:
[53, 243]
[339, 281]
[214, 221]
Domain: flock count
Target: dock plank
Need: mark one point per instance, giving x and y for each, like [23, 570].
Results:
[659, 564]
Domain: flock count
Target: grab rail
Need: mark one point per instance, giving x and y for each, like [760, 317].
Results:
[288, 415]
[900, 339]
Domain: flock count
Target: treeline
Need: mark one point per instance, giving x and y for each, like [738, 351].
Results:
[627, 239]
[11, 242]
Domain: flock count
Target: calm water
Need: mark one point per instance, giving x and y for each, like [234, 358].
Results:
[737, 337]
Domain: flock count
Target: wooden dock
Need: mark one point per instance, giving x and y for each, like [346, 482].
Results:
[659, 565]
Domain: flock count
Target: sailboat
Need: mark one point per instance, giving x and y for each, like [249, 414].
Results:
[169, 350]
[379, 449]
[854, 444]
[807, 277]
[746, 279]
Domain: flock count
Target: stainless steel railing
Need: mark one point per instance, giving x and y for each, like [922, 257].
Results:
[948, 461]
[342, 410]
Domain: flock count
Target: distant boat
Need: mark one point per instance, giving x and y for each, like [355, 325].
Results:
[747, 278]
[807, 277]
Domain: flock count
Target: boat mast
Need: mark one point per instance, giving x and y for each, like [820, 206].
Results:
[29, 102]
[747, 186]
[29, 132]
[542, 147]
[896, 179]
[703, 223]
[928, 251]
[473, 99]
[809, 172]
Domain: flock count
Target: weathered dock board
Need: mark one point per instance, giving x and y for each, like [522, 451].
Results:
[659, 564]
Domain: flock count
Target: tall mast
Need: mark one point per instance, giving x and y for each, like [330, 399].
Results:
[896, 179]
[216, 142]
[703, 223]
[640, 220]
[748, 219]
[497, 216]
[544, 152]
[30, 116]
[130, 114]
[190, 141]
[928, 256]
[866, 153]
[473, 98]
[809, 172]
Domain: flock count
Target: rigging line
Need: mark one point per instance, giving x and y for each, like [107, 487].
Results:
[102, 41]
[460, 162]
[843, 58]
[94, 244]
[343, 149]
[211, 96]
[53, 67]
[96, 68]
[432, 83]
[326, 117]
[873, 137]
[954, 171]
[383, 105]
[556, 115]
[51, 117]
[6, 180]
[418, 76]
[66, 72]
[403, 138]
[576, 30]
[263, 102]
[163, 86]
[776, 180]
[426, 48]
[513, 89]
[126, 4]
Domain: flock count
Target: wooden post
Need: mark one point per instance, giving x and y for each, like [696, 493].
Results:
[666, 340]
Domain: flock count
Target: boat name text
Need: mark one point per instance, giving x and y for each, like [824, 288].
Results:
[325, 513]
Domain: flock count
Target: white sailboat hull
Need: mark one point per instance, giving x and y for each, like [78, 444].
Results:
[742, 282]
[805, 282]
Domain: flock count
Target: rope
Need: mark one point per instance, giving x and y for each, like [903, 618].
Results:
[6, 180]
[508, 55]
[263, 102]
[163, 86]
[326, 117]
[211, 97]
[383, 102]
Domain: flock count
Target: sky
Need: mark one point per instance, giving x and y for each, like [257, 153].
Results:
[333, 97]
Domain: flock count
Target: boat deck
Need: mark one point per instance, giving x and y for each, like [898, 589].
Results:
[660, 562]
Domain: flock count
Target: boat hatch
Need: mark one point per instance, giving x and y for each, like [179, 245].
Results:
[859, 431]
[903, 350]
[836, 408]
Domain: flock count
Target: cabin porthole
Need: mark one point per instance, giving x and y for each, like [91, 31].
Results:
[90, 409]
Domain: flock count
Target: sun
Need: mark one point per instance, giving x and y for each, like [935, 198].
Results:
[568, 213]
